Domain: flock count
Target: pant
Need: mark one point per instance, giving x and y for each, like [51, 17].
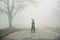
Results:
[32, 29]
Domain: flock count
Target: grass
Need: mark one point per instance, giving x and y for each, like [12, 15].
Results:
[55, 29]
[7, 31]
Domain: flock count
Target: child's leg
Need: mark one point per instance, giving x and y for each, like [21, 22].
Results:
[34, 29]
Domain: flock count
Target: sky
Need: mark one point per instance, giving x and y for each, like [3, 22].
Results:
[43, 15]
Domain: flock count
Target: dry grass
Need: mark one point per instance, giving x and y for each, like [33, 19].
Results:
[7, 31]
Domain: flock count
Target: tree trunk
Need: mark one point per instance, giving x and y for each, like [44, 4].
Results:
[10, 21]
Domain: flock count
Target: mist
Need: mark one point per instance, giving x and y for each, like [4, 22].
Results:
[44, 16]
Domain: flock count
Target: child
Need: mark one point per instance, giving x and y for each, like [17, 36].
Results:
[33, 26]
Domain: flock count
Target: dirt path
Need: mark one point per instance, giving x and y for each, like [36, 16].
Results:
[42, 33]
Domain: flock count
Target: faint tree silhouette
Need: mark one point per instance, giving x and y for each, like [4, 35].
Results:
[56, 12]
[11, 7]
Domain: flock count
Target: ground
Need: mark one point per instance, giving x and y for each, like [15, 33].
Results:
[42, 33]
[6, 31]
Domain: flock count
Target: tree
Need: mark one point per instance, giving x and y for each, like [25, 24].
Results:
[11, 7]
[57, 13]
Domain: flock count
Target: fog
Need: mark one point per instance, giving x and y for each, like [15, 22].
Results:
[44, 16]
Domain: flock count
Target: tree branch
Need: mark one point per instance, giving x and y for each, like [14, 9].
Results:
[18, 8]
[3, 5]
[12, 7]
[8, 8]
[15, 12]
[3, 10]
[5, 2]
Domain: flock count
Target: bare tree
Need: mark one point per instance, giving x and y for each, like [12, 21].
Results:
[11, 7]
